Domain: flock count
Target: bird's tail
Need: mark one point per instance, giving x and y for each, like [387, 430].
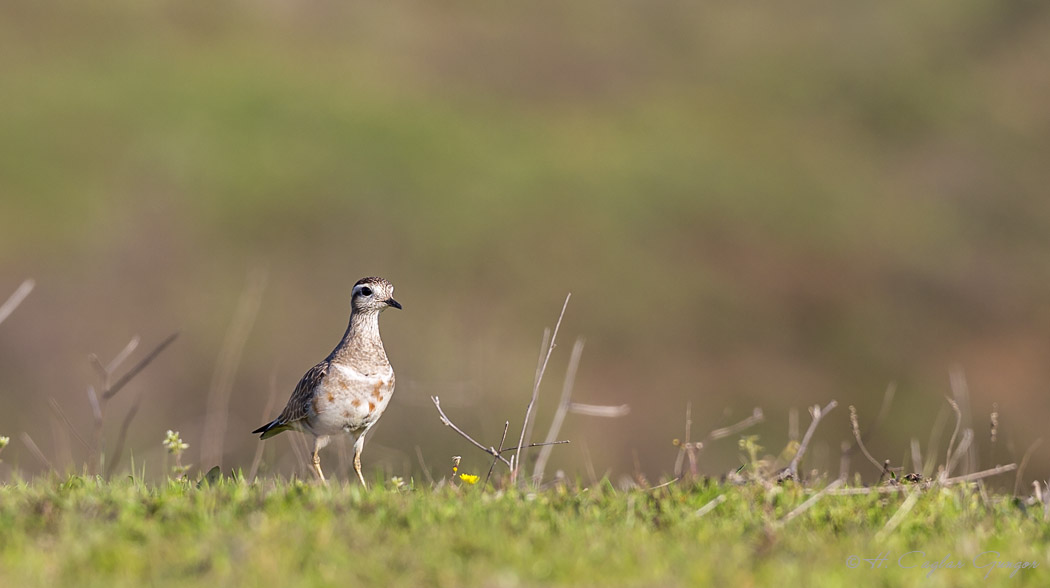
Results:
[271, 428]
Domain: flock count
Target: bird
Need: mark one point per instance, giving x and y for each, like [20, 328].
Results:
[350, 389]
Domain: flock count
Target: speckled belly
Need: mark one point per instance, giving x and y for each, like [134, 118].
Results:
[349, 401]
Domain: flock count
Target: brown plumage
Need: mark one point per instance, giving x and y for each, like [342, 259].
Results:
[348, 390]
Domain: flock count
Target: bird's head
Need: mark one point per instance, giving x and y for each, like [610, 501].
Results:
[373, 295]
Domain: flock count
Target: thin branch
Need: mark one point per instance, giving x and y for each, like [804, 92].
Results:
[1024, 463]
[916, 456]
[506, 426]
[599, 410]
[16, 299]
[685, 447]
[141, 365]
[710, 505]
[980, 475]
[871, 490]
[810, 502]
[62, 415]
[960, 450]
[423, 465]
[817, 414]
[213, 432]
[955, 433]
[531, 445]
[32, 446]
[931, 443]
[559, 414]
[755, 418]
[898, 516]
[884, 410]
[664, 485]
[121, 357]
[119, 448]
[854, 424]
[257, 458]
[536, 391]
[449, 423]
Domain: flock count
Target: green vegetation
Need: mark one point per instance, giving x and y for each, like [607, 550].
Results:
[83, 532]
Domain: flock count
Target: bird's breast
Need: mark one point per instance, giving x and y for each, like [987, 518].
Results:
[349, 399]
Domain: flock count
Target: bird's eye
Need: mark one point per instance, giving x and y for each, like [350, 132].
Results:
[366, 291]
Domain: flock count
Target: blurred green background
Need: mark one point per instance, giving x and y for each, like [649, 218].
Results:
[759, 204]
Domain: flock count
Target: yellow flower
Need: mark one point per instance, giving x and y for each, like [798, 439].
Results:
[468, 478]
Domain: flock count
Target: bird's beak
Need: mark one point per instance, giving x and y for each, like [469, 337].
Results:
[394, 303]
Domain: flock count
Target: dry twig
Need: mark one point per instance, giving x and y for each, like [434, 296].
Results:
[449, 423]
[559, 414]
[817, 413]
[536, 392]
[810, 501]
[506, 426]
[16, 299]
[1024, 463]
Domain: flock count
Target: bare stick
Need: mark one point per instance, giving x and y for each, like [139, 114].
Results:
[1024, 463]
[506, 426]
[960, 450]
[536, 391]
[871, 490]
[31, 445]
[980, 475]
[121, 357]
[119, 447]
[559, 414]
[856, 435]
[810, 502]
[884, 410]
[710, 505]
[111, 391]
[62, 415]
[257, 458]
[931, 447]
[755, 418]
[658, 486]
[898, 516]
[545, 346]
[955, 433]
[213, 433]
[817, 414]
[589, 464]
[449, 423]
[683, 447]
[531, 445]
[423, 466]
[916, 455]
[600, 410]
[16, 299]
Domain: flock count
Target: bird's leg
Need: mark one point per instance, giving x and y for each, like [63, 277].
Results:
[317, 461]
[359, 445]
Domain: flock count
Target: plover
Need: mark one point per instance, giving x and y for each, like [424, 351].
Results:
[349, 390]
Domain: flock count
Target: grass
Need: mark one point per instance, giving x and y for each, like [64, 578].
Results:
[85, 532]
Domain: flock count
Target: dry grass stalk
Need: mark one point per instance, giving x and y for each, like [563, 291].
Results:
[16, 298]
[213, 432]
[109, 390]
[1024, 463]
[559, 414]
[536, 392]
[818, 414]
[810, 501]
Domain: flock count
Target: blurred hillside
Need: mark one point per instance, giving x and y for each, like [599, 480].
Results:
[752, 205]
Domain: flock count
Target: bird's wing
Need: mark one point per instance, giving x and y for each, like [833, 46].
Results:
[299, 404]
